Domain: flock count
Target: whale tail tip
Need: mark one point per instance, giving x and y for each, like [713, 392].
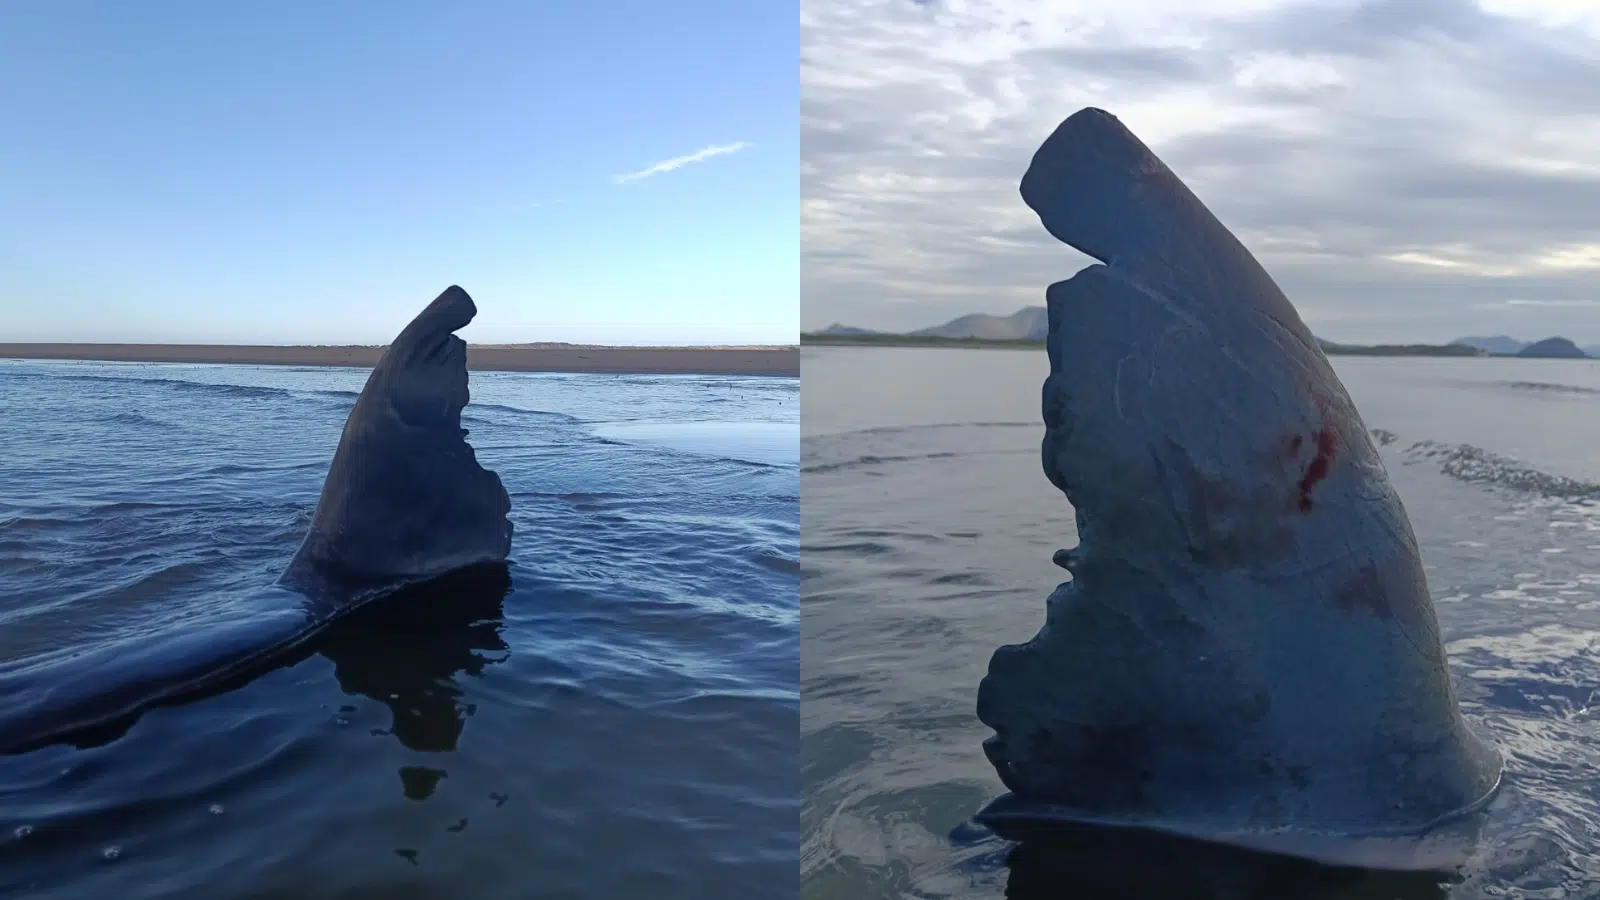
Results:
[405, 499]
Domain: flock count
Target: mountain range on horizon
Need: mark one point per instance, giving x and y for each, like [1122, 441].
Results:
[1501, 345]
[1027, 324]
[1031, 324]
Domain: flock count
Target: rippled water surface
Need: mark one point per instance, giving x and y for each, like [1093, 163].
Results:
[927, 537]
[621, 723]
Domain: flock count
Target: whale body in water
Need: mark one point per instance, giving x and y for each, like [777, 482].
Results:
[1246, 653]
[405, 503]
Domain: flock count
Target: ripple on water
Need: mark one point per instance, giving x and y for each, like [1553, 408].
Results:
[891, 749]
[631, 701]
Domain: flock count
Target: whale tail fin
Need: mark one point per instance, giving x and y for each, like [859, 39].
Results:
[405, 499]
[1247, 652]
[1096, 187]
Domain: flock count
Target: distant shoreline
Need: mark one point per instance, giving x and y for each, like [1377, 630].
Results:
[899, 340]
[1454, 351]
[777, 362]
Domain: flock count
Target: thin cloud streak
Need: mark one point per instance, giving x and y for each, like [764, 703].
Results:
[678, 162]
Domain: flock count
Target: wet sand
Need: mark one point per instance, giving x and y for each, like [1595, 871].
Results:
[774, 361]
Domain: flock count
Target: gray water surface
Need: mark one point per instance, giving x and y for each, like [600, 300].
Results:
[927, 532]
[620, 724]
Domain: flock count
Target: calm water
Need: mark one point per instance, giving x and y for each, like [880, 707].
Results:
[621, 724]
[927, 532]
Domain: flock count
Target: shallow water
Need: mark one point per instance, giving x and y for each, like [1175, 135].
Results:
[621, 723]
[927, 533]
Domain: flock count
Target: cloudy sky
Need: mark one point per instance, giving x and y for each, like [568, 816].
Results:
[1408, 170]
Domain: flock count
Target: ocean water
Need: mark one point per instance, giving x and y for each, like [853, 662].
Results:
[927, 532]
[619, 721]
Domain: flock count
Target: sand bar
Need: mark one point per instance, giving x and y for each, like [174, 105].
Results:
[773, 361]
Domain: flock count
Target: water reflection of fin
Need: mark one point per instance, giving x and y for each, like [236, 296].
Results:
[405, 652]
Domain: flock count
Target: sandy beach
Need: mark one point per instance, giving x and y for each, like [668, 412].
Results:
[772, 361]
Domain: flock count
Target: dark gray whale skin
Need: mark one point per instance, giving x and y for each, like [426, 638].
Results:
[1247, 652]
[405, 502]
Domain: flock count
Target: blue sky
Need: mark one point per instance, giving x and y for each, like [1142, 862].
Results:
[315, 172]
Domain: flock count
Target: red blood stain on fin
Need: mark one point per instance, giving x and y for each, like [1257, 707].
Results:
[1325, 441]
[1327, 446]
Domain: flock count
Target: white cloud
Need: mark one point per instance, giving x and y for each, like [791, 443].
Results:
[678, 162]
[1579, 256]
[1556, 303]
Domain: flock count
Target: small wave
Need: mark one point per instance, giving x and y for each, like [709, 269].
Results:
[971, 579]
[222, 390]
[774, 561]
[134, 591]
[31, 524]
[871, 460]
[709, 708]
[877, 460]
[905, 429]
[236, 469]
[573, 496]
[135, 420]
[539, 413]
[1478, 466]
[698, 454]
[204, 387]
[754, 464]
[864, 548]
[121, 506]
[233, 390]
[1549, 387]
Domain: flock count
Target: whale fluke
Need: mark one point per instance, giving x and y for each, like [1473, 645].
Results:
[405, 502]
[1246, 652]
[405, 499]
